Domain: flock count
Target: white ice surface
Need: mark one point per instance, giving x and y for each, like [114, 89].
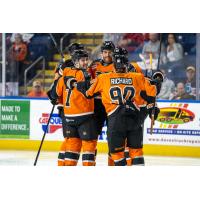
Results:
[26, 158]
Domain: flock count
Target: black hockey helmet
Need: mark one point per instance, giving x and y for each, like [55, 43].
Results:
[120, 60]
[122, 51]
[74, 46]
[78, 54]
[108, 45]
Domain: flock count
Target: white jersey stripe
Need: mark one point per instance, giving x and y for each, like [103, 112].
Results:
[77, 115]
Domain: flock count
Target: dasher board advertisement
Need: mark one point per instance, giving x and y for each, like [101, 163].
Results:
[177, 124]
[40, 113]
[14, 119]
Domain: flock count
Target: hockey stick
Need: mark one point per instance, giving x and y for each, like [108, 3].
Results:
[145, 64]
[143, 60]
[38, 153]
[153, 110]
[56, 46]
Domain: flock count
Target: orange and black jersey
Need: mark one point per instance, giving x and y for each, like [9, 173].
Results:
[150, 89]
[117, 88]
[59, 69]
[61, 66]
[74, 102]
[100, 67]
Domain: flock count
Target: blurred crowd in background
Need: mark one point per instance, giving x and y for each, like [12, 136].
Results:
[32, 58]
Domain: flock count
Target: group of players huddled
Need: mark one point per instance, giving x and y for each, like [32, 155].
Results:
[109, 89]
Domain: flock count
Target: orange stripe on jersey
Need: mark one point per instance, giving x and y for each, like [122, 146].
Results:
[74, 102]
[115, 88]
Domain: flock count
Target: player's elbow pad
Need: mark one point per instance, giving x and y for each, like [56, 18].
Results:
[51, 98]
[149, 99]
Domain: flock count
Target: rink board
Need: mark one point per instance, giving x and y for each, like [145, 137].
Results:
[176, 132]
[159, 150]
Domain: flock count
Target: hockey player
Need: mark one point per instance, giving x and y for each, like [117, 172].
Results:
[152, 88]
[97, 67]
[101, 66]
[68, 63]
[80, 128]
[58, 73]
[105, 64]
[119, 90]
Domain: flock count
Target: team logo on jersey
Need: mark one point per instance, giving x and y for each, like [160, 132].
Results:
[54, 125]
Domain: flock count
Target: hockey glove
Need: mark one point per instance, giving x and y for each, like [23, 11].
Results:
[52, 100]
[60, 67]
[60, 111]
[156, 112]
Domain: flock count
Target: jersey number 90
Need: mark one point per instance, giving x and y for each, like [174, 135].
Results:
[118, 95]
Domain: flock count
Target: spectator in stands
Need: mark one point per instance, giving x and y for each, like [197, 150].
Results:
[146, 37]
[37, 90]
[18, 50]
[168, 87]
[181, 94]
[190, 82]
[26, 37]
[152, 47]
[17, 56]
[174, 49]
[132, 41]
